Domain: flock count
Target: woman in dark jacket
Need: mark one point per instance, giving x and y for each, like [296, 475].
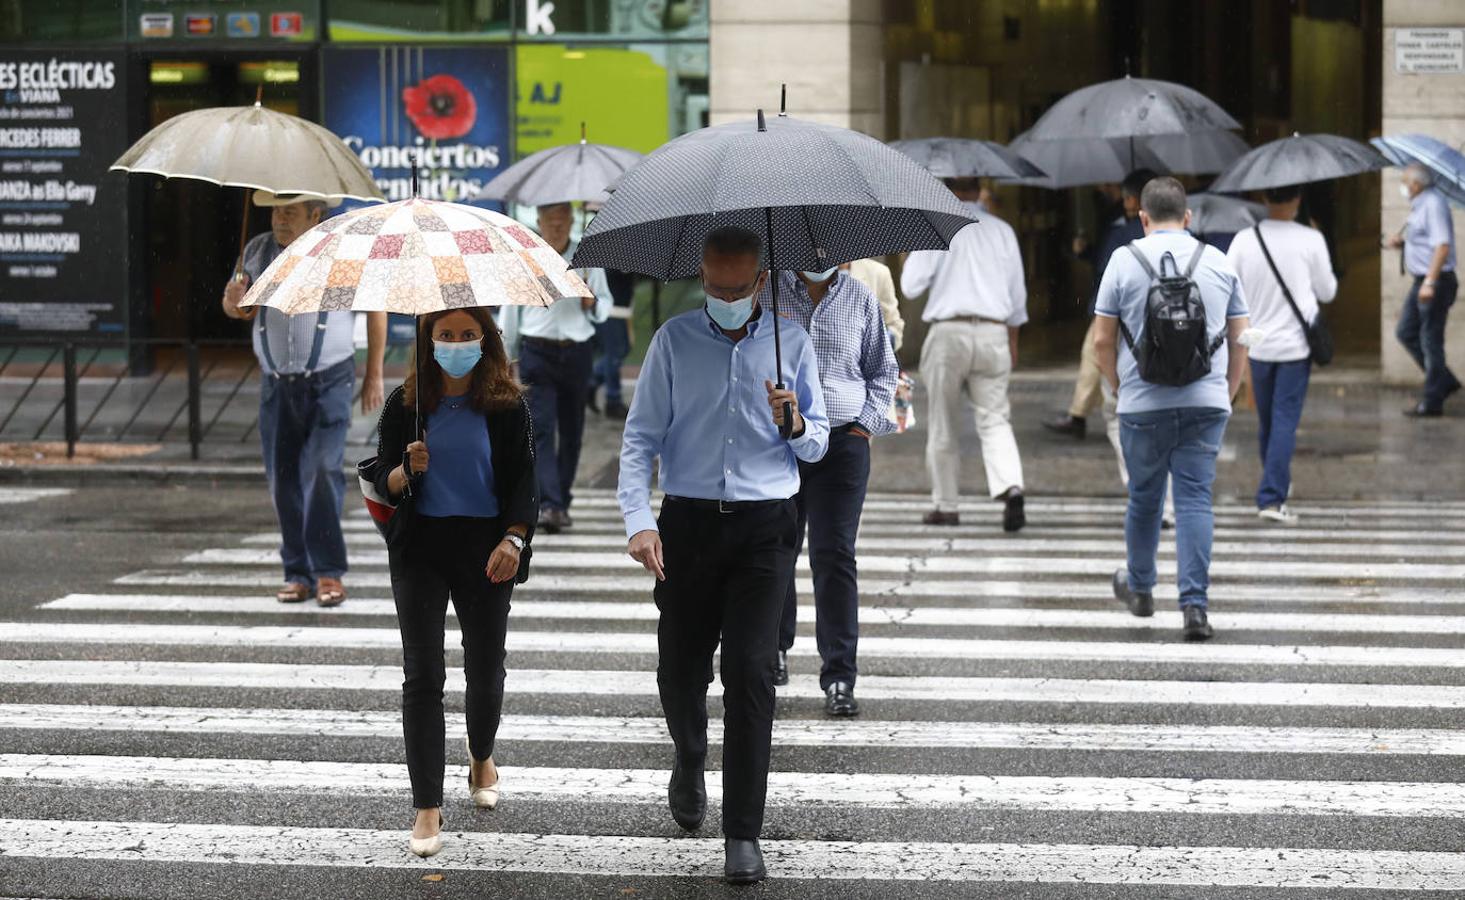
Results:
[476, 502]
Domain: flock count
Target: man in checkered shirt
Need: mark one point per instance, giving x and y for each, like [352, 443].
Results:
[858, 372]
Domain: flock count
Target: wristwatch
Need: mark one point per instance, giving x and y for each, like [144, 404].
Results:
[517, 541]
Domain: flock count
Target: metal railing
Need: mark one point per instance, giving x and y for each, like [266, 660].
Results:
[151, 390]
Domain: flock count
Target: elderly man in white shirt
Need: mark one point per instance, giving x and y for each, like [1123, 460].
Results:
[1280, 249]
[977, 304]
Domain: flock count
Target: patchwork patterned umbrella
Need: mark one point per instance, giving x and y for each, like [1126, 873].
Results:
[415, 257]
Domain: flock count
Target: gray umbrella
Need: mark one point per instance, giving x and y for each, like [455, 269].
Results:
[1298, 159]
[575, 172]
[1131, 107]
[1219, 214]
[1071, 162]
[821, 194]
[947, 157]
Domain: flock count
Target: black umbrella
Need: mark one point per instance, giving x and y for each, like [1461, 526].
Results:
[1298, 159]
[948, 157]
[823, 195]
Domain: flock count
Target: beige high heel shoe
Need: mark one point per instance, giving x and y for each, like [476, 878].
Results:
[483, 797]
[429, 846]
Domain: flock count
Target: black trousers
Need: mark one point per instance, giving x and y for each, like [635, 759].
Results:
[830, 503]
[446, 558]
[726, 577]
[558, 378]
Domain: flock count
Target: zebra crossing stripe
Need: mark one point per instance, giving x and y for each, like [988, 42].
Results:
[617, 683]
[345, 723]
[938, 565]
[259, 636]
[921, 616]
[649, 857]
[15, 495]
[1029, 793]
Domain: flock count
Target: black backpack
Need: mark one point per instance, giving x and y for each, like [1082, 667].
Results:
[1173, 348]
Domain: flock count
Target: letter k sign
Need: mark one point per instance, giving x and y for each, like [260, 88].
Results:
[537, 17]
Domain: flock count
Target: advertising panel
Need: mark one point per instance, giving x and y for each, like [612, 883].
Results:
[620, 94]
[63, 247]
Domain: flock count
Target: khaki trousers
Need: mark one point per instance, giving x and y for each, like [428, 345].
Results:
[972, 359]
[1087, 394]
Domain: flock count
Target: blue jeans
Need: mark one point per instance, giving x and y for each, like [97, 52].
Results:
[1422, 332]
[830, 501]
[1281, 389]
[1183, 444]
[612, 343]
[558, 379]
[302, 431]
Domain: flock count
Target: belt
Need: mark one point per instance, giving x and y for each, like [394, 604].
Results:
[973, 320]
[550, 342]
[725, 507]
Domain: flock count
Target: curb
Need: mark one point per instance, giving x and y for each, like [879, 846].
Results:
[101, 474]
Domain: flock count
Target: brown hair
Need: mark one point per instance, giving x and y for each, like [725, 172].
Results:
[491, 387]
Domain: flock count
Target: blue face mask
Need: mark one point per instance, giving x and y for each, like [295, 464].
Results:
[730, 316]
[820, 277]
[457, 357]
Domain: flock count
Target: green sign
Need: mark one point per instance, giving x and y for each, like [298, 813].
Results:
[621, 95]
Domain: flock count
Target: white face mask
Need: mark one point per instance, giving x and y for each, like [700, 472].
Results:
[1404, 192]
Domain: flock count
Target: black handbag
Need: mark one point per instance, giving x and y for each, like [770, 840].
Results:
[1319, 338]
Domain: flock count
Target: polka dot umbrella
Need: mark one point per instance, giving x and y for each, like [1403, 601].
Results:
[821, 195]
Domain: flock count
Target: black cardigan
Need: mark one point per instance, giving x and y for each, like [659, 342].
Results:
[511, 437]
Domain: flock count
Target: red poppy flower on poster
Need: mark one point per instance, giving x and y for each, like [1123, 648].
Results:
[441, 107]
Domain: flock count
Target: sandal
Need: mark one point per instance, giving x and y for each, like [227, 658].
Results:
[293, 592]
[330, 592]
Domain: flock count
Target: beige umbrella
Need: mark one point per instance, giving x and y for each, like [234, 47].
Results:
[256, 148]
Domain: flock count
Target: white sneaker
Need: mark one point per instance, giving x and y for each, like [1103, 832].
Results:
[1278, 514]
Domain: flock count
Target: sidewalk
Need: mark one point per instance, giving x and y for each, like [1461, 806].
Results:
[1355, 444]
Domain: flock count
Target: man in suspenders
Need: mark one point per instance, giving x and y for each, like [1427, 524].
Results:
[308, 373]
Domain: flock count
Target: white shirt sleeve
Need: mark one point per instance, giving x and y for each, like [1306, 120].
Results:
[1017, 288]
[1320, 269]
[919, 271]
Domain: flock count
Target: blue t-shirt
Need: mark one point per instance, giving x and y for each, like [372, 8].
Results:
[1123, 295]
[459, 478]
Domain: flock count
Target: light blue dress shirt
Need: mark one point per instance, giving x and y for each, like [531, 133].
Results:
[1429, 225]
[857, 368]
[564, 320]
[292, 337]
[701, 407]
[1124, 294]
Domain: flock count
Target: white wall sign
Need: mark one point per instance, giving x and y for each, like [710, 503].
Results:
[1429, 51]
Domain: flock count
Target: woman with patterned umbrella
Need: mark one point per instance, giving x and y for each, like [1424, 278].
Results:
[457, 500]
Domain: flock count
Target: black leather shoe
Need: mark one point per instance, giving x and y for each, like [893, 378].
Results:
[1013, 517]
[1071, 426]
[1420, 411]
[590, 403]
[1140, 603]
[549, 521]
[839, 700]
[743, 862]
[937, 517]
[616, 410]
[1197, 627]
[686, 795]
[780, 669]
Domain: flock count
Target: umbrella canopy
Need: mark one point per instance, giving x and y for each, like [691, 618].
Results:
[575, 172]
[1071, 162]
[252, 147]
[947, 157]
[1131, 107]
[1447, 163]
[822, 194]
[1219, 214]
[415, 257]
[1298, 159]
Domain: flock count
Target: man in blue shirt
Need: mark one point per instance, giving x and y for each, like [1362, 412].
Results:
[723, 548]
[857, 370]
[1429, 256]
[1169, 431]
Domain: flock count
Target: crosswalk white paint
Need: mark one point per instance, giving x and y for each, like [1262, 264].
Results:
[630, 856]
[914, 616]
[634, 583]
[617, 683]
[789, 789]
[519, 641]
[935, 565]
[831, 733]
[12, 495]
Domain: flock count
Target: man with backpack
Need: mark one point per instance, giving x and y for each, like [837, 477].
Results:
[1170, 317]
